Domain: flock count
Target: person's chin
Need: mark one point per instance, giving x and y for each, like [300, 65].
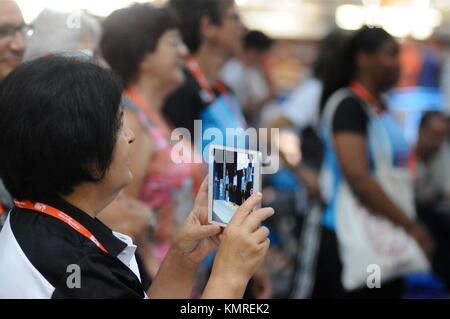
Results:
[126, 180]
[177, 80]
[129, 178]
[179, 74]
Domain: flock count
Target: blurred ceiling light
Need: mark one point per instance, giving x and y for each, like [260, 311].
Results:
[443, 4]
[375, 3]
[389, 19]
[289, 3]
[350, 17]
[422, 32]
[241, 2]
[32, 8]
[421, 4]
[398, 21]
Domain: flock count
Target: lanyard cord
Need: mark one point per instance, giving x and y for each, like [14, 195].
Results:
[56, 213]
[366, 96]
[200, 77]
[197, 170]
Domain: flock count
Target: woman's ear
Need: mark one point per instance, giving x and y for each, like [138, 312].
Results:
[147, 63]
[94, 170]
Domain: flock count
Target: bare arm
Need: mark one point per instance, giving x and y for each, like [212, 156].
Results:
[351, 152]
[243, 245]
[175, 277]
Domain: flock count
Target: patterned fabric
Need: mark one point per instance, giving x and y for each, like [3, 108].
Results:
[168, 187]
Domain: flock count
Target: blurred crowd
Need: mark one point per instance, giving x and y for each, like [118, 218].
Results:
[366, 130]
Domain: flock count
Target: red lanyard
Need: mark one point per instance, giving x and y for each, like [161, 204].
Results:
[2, 210]
[366, 96]
[43, 208]
[200, 77]
[412, 163]
[135, 97]
[197, 170]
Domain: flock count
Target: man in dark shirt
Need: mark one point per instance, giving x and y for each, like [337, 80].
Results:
[212, 30]
[12, 48]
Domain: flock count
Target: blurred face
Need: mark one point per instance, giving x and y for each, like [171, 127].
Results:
[12, 43]
[166, 62]
[384, 65]
[432, 135]
[230, 32]
[119, 174]
[258, 57]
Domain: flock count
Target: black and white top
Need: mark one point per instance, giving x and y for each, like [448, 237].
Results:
[43, 257]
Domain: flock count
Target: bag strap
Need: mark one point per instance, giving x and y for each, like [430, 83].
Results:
[330, 110]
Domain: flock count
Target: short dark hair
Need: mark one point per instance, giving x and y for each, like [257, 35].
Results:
[190, 13]
[131, 33]
[429, 115]
[328, 48]
[59, 122]
[257, 40]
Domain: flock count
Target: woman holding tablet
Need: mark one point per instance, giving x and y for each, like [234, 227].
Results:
[68, 157]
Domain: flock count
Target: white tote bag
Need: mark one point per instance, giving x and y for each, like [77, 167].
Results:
[366, 239]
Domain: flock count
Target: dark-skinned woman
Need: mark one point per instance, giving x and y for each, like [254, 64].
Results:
[361, 138]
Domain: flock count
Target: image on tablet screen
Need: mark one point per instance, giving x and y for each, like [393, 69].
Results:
[233, 182]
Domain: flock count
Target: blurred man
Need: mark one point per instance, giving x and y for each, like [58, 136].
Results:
[12, 37]
[433, 187]
[247, 75]
[12, 48]
[433, 159]
[212, 30]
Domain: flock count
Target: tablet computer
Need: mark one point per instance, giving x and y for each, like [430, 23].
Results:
[234, 175]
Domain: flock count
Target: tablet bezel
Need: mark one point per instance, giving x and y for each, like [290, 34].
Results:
[257, 175]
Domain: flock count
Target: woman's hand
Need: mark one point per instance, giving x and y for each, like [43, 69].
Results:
[196, 239]
[244, 243]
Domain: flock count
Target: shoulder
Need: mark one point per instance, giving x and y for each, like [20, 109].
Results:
[350, 104]
[232, 69]
[48, 243]
[189, 88]
[350, 116]
[57, 252]
[186, 97]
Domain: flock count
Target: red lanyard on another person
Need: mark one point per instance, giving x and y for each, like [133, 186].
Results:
[155, 119]
[412, 164]
[2, 210]
[200, 77]
[56, 213]
[366, 96]
[197, 170]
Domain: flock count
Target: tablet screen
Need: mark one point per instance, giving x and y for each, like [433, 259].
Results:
[233, 182]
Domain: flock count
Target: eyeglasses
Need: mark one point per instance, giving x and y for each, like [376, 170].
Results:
[9, 31]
